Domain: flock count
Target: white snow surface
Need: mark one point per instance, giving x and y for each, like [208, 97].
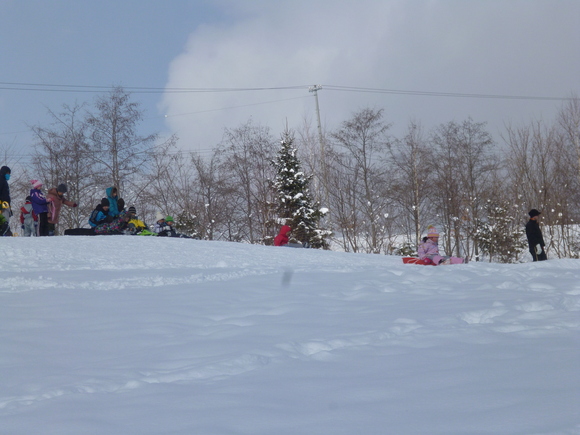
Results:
[142, 335]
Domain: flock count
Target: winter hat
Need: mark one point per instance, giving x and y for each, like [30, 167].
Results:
[36, 184]
[533, 212]
[132, 210]
[105, 202]
[169, 219]
[62, 188]
[159, 216]
[432, 231]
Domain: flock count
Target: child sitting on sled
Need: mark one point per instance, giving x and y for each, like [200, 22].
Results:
[429, 249]
[136, 226]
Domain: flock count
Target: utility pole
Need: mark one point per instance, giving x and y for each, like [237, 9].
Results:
[314, 89]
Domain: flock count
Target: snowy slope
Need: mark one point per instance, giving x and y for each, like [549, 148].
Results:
[137, 335]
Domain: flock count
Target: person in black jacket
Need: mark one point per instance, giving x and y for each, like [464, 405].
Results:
[535, 238]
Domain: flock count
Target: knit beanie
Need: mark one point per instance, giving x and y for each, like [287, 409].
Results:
[159, 216]
[169, 219]
[432, 231]
[62, 188]
[105, 202]
[36, 184]
[132, 210]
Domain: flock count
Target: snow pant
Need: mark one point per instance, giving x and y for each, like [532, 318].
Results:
[115, 227]
[29, 229]
[43, 224]
[438, 259]
[5, 230]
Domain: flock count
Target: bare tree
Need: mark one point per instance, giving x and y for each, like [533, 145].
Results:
[114, 139]
[248, 152]
[362, 143]
[413, 180]
[464, 167]
[214, 193]
[62, 155]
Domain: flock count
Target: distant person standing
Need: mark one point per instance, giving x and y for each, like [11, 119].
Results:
[40, 206]
[56, 195]
[5, 207]
[535, 238]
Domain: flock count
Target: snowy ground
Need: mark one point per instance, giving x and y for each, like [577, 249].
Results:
[136, 335]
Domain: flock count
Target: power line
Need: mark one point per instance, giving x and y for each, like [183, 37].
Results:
[45, 87]
[440, 94]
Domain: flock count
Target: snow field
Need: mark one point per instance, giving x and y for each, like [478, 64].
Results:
[124, 335]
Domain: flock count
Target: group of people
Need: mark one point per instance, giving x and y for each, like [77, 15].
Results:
[110, 217]
[39, 214]
[428, 249]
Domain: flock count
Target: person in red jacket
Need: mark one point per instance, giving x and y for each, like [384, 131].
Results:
[282, 238]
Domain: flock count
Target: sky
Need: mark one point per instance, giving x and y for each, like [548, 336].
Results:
[198, 67]
[231, 338]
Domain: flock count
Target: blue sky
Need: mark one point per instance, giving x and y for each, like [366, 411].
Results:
[509, 48]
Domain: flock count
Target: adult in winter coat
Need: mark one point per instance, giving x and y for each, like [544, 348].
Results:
[429, 249]
[113, 197]
[56, 196]
[5, 196]
[282, 238]
[28, 219]
[40, 206]
[535, 238]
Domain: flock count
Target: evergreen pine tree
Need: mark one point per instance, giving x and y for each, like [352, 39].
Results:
[500, 237]
[295, 205]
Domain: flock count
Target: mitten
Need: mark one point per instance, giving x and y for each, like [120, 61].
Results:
[75, 205]
[538, 249]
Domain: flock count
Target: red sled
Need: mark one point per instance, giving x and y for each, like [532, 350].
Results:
[415, 260]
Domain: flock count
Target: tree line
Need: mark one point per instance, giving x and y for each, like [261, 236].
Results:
[381, 191]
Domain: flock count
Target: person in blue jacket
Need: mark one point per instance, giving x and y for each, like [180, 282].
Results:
[113, 197]
[100, 214]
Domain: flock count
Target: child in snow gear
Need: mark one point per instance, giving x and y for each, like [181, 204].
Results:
[103, 223]
[159, 223]
[135, 226]
[167, 229]
[112, 196]
[40, 205]
[282, 238]
[100, 214]
[535, 239]
[4, 226]
[5, 198]
[28, 219]
[429, 249]
[56, 196]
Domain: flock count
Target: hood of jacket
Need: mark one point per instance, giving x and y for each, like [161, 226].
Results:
[5, 170]
[285, 230]
[109, 192]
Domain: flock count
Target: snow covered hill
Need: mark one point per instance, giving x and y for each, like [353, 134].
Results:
[136, 335]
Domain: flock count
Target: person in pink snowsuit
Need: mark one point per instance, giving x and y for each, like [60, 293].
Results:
[429, 249]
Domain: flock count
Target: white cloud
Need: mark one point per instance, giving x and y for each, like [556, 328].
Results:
[510, 48]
